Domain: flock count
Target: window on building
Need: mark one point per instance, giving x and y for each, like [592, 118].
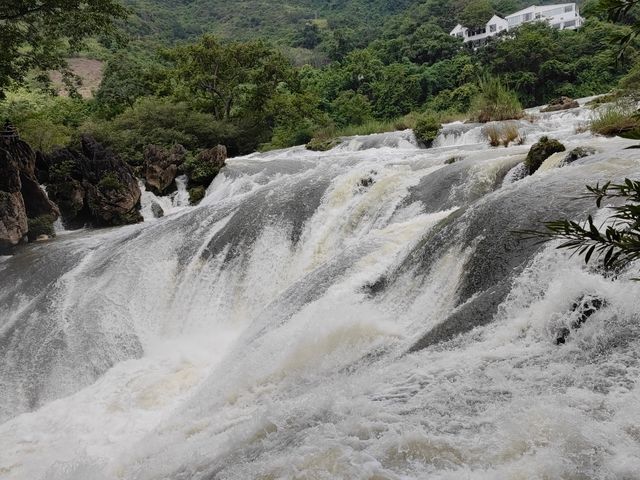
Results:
[570, 24]
[492, 28]
[568, 8]
[538, 15]
[527, 17]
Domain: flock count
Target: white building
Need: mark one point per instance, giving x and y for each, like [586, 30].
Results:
[493, 27]
[562, 16]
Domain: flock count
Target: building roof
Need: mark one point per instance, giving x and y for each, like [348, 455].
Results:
[534, 8]
[496, 18]
[458, 28]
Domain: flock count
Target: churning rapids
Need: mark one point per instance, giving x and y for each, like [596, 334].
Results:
[363, 313]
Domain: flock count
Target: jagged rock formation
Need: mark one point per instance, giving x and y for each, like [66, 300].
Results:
[161, 167]
[91, 185]
[21, 197]
[562, 103]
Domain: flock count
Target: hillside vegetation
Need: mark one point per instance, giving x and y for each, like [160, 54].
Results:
[276, 74]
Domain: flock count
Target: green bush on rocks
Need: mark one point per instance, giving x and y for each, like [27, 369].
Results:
[322, 144]
[42, 225]
[541, 151]
[427, 128]
[196, 194]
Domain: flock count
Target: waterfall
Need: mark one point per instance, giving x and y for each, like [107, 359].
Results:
[365, 312]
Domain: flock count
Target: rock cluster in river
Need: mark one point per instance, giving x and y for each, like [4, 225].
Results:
[23, 203]
[91, 185]
[162, 166]
[562, 103]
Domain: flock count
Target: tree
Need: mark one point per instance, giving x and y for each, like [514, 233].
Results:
[234, 78]
[125, 79]
[308, 37]
[351, 108]
[396, 92]
[430, 44]
[36, 34]
[620, 10]
[476, 14]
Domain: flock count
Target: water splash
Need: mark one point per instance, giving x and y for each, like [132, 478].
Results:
[359, 313]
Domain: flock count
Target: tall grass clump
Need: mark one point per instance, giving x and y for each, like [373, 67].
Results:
[503, 134]
[495, 102]
[621, 119]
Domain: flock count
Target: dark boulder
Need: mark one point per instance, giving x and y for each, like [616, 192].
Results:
[541, 151]
[578, 153]
[562, 103]
[92, 186]
[161, 167]
[157, 210]
[581, 311]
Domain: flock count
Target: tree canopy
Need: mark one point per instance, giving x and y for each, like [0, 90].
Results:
[36, 34]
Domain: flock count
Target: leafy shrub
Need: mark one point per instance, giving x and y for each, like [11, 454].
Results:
[44, 121]
[351, 108]
[196, 194]
[295, 118]
[630, 83]
[458, 99]
[495, 102]
[618, 244]
[200, 171]
[324, 139]
[427, 128]
[322, 145]
[110, 183]
[61, 172]
[158, 121]
[42, 225]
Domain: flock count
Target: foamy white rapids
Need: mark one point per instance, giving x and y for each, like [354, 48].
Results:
[363, 313]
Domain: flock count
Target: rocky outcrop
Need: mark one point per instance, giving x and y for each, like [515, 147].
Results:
[21, 197]
[92, 186]
[562, 103]
[541, 151]
[161, 167]
[13, 219]
[202, 169]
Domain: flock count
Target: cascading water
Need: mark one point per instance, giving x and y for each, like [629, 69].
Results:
[363, 313]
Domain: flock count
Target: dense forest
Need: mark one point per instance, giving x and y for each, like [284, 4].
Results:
[263, 75]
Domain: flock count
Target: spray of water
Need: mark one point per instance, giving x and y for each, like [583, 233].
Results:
[360, 313]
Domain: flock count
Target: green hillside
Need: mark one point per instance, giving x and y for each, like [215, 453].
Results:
[280, 20]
